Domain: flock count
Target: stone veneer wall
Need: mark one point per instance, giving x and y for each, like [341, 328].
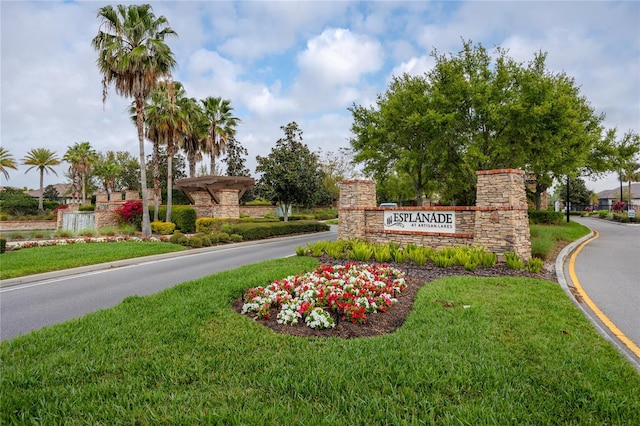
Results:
[228, 206]
[502, 221]
[356, 197]
[499, 221]
[257, 211]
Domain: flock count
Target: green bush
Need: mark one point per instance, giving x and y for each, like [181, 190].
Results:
[3, 245]
[163, 228]
[194, 242]
[262, 230]
[235, 238]
[545, 216]
[17, 203]
[178, 238]
[87, 208]
[535, 265]
[299, 217]
[513, 260]
[184, 217]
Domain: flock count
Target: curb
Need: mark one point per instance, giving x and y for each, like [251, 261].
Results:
[588, 313]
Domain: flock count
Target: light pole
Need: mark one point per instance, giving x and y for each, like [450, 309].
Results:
[567, 200]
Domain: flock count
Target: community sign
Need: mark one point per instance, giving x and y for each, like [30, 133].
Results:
[420, 221]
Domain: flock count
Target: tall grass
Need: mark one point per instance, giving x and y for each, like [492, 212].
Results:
[506, 351]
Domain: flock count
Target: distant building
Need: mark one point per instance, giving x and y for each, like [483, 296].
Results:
[64, 193]
[607, 198]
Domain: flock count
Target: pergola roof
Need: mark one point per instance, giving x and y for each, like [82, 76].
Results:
[212, 184]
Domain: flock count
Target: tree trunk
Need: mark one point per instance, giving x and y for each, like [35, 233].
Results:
[156, 181]
[41, 199]
[146, 225]
[169, 180]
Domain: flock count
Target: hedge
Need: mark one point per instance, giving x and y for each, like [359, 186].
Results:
[183, 216]
[208, 225]
[545, 216]
[258, 231]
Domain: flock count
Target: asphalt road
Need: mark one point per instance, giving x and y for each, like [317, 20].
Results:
[608, 269]
[34, 302]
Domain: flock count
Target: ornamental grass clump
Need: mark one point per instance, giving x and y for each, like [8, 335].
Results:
[513, 260]
[351, 292]
[361, 251]
[535, 265]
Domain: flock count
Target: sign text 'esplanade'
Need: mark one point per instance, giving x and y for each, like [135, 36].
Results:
[420, 221]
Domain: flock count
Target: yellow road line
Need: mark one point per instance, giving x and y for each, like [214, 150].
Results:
[605, 319]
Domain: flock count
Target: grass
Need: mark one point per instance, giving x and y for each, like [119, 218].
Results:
[54, 258]
[544, 238]
[520, 354]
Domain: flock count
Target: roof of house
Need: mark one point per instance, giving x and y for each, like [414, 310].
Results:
[615, 193]
[62, 188]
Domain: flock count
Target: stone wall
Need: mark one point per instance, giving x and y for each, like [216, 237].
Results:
[499, 221]
[257, 211]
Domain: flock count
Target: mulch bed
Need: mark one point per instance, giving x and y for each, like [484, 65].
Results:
[382, 323]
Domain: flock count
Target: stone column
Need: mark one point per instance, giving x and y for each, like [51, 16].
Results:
[502, 222]
[229, 204]
[355, 197]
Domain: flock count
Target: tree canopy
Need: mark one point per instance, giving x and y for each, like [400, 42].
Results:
[290, 173]
[475, 111]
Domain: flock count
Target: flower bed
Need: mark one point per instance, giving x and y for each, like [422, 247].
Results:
[16, 245]
[351, 292]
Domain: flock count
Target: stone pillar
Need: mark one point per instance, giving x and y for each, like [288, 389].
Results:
[355, 197]
[202, 203]
[133, 194]
[502, 222]
[228, 205]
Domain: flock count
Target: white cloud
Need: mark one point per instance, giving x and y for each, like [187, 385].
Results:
[295, 61]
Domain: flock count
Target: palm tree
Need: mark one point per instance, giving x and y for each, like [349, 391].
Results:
[221, 126]
[43, 160]
[132, 55]
[6, 162]
[166, 123]
[195, 139]
[81, 157]
[107, 170]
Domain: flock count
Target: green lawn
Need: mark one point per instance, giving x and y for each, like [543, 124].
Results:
[521, 354]
[54, 258]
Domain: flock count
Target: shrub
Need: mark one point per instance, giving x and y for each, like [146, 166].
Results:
[184, 217]
[87, 208]
[619, 206]
[545, 216]
[361, 251]
[262, 230]
[17, 203]
[163, 228]
[3, 245]
[194, 242]
[513, 260]
[178, 238]
[223, 237]
[130, 213]
[603, 213]
[535, 265]
[235, 238]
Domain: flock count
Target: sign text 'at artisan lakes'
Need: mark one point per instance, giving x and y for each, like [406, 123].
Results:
[420, 221]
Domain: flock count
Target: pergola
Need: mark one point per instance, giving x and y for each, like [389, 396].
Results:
[213, 185]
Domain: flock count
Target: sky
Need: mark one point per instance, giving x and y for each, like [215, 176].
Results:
[302, 61]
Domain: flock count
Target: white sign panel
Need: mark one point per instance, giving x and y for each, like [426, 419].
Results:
[420, 221]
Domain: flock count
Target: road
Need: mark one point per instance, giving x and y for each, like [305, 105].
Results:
[608, 269]
[33, 303]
